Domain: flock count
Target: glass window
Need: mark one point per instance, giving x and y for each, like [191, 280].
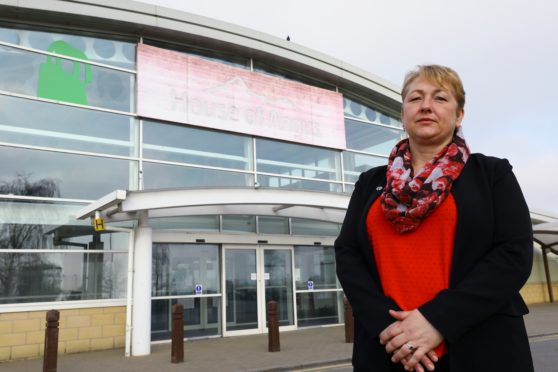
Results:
[370, 137]
[290, 183]
[315, 270]
[179, 143]
[239, 224]
[354, 164]
[163, 176]
[202, 317]
[110, 52]
[36, 212]
[315, 264]
[319, 308]
[42, 277]
[302, 226]
[51, 225]
[273, 225]
[179, 268]
[188, 223]
[96, 273]
[39, 123]
[49, 236]
[349, 189]
[358, 110]
[65, 80]
[51, 174]
[288, 159]
[84, 237]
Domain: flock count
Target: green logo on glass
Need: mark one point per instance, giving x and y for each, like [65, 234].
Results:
[61, 85]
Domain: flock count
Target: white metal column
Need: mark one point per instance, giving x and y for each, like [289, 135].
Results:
[141, 308]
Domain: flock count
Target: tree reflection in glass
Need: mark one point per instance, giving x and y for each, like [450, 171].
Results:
[19, 273]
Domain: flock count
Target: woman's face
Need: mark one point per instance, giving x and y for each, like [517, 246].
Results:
[430, 114]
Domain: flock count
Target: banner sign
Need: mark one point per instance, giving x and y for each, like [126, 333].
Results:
[187, 89]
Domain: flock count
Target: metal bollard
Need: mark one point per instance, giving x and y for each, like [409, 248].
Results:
[50, 358]
[349, 321]
[273, 327]
[177, 346]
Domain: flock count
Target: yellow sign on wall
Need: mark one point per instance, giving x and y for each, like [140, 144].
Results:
[99, 224]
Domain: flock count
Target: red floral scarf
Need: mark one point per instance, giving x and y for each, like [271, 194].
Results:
[408, 199]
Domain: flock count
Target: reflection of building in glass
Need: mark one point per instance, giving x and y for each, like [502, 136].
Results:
[237, 172]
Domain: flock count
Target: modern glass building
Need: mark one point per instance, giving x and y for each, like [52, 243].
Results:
[219, 159]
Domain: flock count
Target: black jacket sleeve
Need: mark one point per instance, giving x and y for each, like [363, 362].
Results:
[496, 265]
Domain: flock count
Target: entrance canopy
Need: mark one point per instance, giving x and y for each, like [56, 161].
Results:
[123, 205]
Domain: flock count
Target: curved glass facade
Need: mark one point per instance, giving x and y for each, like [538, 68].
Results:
[70, 133]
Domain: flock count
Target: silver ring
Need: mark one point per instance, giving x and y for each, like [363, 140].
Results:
[410, 347]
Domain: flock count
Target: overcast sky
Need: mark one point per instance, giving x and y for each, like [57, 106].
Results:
[505, 51]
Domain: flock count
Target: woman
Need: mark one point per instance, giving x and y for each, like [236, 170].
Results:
[436, 246]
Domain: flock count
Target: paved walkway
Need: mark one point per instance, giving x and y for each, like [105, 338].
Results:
[299, 349]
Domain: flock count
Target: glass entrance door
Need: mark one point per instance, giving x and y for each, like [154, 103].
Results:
[253, 276]
[278, 279]
[241, 290]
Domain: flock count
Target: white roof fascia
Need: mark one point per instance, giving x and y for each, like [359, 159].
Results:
[144, 200]
[213, 201]
[102, 204]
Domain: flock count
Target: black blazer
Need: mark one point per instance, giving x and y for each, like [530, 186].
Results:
[480, 315]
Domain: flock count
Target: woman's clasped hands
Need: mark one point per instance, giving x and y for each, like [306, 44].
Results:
[412, 340]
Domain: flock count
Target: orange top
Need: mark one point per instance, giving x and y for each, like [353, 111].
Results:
[414, 266]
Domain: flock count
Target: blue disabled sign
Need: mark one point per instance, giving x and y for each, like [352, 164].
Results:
[310, 285]
[199, 289]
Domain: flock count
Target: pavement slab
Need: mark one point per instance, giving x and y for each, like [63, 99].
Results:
[302, 349]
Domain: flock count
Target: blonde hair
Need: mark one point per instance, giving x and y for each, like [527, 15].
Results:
[440, 75]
